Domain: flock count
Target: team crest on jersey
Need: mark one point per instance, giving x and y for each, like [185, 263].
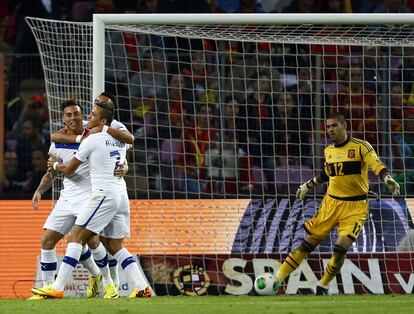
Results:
[351, 153]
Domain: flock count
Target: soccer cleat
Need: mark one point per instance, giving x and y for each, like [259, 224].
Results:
[111, 292]
[36, 297]
[146, 293]
[93, 288]
[321, 290]
[48, 292]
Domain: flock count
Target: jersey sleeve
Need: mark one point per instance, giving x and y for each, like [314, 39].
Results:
[85, 149]
[118, 125]
[324, 173]
[371, 158]
[52, 149]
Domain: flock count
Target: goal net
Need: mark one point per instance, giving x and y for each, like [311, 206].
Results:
[228, 117]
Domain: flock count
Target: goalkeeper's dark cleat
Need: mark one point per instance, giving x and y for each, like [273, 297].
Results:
[146, 293]
[321, 290]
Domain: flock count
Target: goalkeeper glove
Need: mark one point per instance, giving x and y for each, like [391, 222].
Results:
[305, 187]
[392, 185]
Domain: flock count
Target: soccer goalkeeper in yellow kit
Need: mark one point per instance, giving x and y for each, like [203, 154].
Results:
[345, 204]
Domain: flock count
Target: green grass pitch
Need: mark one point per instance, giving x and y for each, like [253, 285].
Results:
[224, 304]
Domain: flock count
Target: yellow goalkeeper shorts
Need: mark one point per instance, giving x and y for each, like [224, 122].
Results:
[348, 216]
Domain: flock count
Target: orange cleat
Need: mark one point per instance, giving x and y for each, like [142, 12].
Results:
[48, 292]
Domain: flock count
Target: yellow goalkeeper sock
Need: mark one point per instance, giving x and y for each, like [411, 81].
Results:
[334, 265]
[292, 261]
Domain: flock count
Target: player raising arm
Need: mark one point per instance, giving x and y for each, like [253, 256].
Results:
[116, 130]
[345, 203]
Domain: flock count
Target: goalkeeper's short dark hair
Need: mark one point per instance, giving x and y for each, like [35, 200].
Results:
[338, 116]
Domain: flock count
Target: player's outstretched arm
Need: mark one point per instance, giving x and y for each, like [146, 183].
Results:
[44, 185]
[374, 163]
[62, 136]
[123, 136]
[54, 165]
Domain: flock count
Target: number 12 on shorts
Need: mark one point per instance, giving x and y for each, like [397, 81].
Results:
[357, 229]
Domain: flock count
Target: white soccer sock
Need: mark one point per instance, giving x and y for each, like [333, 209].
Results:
[87, 261]
[48, 266]
[113, 269]
[129, 265]
[73, 252]
[101, 259]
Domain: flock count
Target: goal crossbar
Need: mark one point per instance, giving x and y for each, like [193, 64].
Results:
[265, 19]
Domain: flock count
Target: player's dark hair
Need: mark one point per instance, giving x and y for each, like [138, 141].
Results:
[110, 96]
[68, 103]
[107, 106]
[107, 114]
[339, 116]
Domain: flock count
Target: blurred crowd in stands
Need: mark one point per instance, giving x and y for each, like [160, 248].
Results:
[239, 118]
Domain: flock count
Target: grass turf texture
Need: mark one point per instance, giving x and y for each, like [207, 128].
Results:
[224, 304]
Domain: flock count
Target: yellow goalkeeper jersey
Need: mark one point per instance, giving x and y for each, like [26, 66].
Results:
[347, 166]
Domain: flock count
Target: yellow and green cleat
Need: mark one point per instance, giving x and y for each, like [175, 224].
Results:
[111, 292]
[93, 288]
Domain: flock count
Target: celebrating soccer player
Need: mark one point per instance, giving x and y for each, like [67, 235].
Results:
[108, 208]
[345, 204]
[73, 197]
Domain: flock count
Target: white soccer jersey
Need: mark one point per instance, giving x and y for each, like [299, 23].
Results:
[77, 184]
[104, 154]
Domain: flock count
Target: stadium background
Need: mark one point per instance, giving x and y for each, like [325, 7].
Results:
[25, 100]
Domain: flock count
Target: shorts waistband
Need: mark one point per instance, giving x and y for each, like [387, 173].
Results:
[350, 198]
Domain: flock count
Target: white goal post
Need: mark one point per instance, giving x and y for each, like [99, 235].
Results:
[228, 114]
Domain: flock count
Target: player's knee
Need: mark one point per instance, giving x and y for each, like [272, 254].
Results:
[114, 245]
[48, 243]
[339, 254]
[49, 239]
[93, 242]
[307, 247]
